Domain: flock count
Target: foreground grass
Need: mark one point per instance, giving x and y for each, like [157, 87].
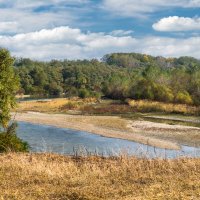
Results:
[43, 176]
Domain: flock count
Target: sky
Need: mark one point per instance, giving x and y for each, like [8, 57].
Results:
[86, 29]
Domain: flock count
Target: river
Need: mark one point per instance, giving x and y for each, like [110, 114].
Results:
[43, 138]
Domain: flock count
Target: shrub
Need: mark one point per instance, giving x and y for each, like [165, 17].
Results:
[96, 95]
[162, 93]
[184, 97]
[9, 142]
[72, 92]
[143, 90]
[84, 93]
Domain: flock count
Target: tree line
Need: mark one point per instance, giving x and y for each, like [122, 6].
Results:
[116, 76]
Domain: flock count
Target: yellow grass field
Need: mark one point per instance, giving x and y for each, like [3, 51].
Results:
[93, 106]
[154, 106]
[47, 176]
[53, 105]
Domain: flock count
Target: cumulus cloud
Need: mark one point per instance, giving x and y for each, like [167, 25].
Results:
[68, 43]
[133, 8]
[175, 23]
[63, 42]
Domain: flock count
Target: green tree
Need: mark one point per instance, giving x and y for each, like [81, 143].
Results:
[9, 85]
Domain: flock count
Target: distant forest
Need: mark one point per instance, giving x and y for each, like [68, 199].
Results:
[116, 76]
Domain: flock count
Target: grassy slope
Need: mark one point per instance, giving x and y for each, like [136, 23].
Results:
[40, 176]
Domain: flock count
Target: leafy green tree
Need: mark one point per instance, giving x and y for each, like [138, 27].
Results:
[9, 85]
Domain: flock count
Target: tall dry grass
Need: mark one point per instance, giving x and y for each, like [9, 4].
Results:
[47, 176]
[93, 106]
[154, 106]
[54, 105]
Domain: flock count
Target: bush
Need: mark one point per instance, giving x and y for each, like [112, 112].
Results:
[184, 97]
[163, 93]
[96, 95]
[84, 93]
[9, 142]
[143, 90]
[72, 92]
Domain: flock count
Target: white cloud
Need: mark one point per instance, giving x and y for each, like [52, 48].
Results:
[175, 23]
[8, 27]
[135, 8]
[69, 43]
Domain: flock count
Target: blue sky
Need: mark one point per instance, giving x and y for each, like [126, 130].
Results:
[79, 29]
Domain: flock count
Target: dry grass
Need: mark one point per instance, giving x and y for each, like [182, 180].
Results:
[106, 107]
[55, 105]
[153, 106]
[34, 177]
[42, 106]
[113, 123]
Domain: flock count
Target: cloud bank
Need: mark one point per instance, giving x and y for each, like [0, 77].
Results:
[68, 43]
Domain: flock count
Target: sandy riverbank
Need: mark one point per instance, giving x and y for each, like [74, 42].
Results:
[155, 134]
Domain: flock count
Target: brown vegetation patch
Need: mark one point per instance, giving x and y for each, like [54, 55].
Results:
[46, 176]
[154, 106]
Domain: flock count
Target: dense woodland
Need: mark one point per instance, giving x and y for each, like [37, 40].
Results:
[116, 76]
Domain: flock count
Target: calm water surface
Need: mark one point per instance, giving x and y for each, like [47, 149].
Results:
[44, 138]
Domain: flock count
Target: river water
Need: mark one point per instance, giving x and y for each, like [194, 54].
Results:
[42, 138]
